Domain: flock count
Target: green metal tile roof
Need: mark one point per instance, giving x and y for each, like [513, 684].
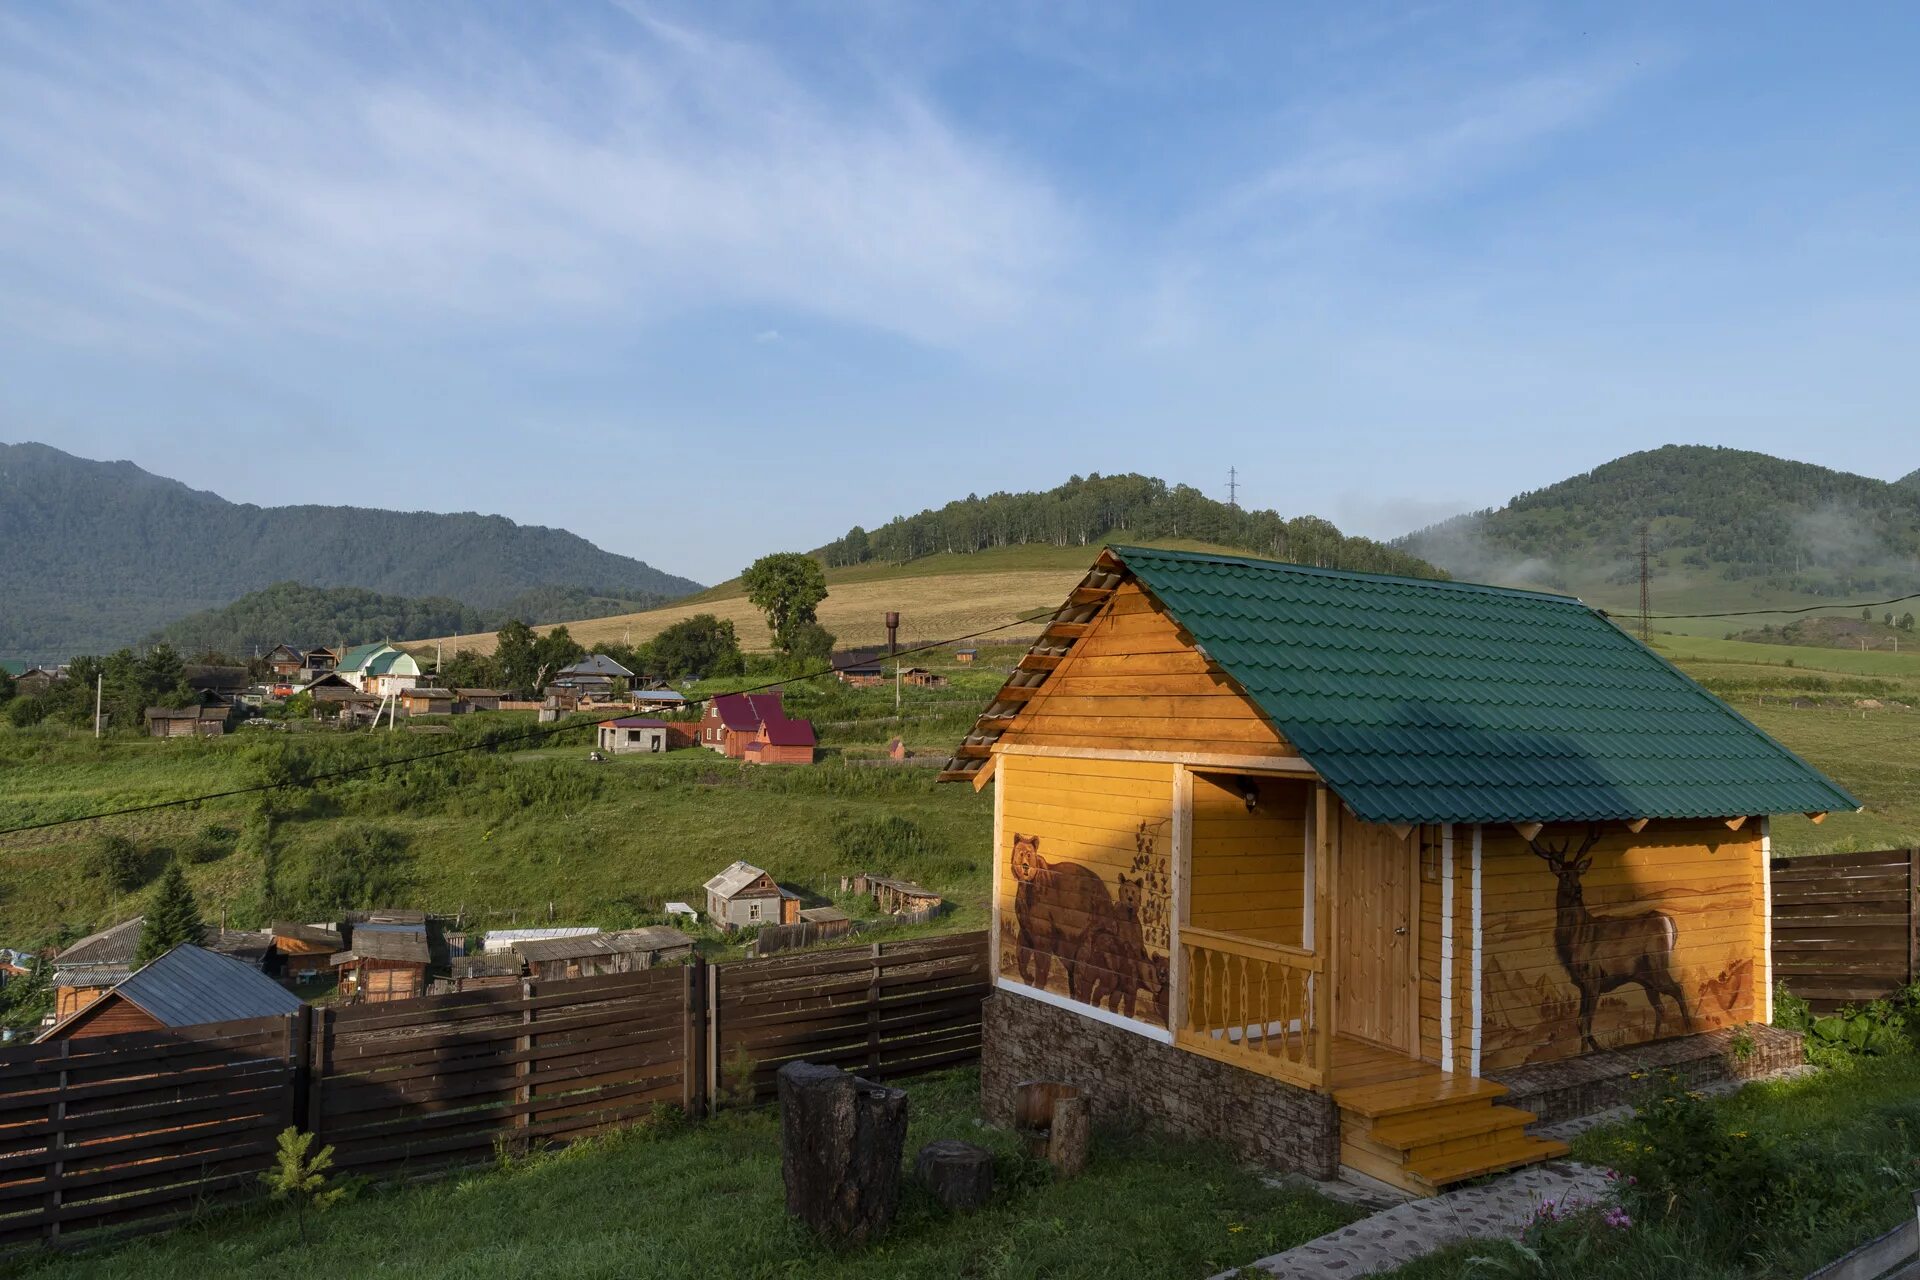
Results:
[357, 657]
[1427, 701]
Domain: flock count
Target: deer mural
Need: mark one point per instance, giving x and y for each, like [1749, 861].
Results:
[1603, 952]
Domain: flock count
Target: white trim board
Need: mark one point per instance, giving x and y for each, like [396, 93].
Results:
[1473, 990]
[1112, 1019]
[1446, 947]
[1766, 919]
[993, 916]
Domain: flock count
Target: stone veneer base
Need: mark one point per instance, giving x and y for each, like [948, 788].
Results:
[1557, 1091]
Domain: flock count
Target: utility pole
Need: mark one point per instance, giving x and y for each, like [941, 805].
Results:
[1233, 487]
[1646, 624]
[893, 651]
[99, 686]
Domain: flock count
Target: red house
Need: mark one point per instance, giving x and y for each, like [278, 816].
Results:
[732, 720]
[781, 742]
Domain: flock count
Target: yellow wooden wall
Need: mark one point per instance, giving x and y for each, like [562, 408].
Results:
[1701, 875]
[1249, 869]
[1131, 683]
[1112, 817]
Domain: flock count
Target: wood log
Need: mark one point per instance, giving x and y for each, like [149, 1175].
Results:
[959, 1174]
[841, 1138]
[1071, 1136]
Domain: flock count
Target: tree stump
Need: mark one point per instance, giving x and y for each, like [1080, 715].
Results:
[840, 1144]
[1071, 1135]
[959, 1174]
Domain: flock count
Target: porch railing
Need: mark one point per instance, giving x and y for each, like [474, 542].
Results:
[1254, 1004]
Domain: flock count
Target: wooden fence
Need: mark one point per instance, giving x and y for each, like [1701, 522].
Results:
[1846, 926]
[136, 1132]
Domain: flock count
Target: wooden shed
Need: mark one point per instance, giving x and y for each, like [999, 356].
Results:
[594, 954]
[186, 987]
[893, 895]
[466, 700]
[186, 722]
[425, 700]
[923, 678]
[384, 962]
[304, 951]
[1370, 838]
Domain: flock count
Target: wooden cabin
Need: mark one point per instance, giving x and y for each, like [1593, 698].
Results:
[304, 951]
[383, 962]
[732, 720]
[923, 678]
[424, 700]
[965, 656]
[781, 742]
[186, 987]
[187, 722]
[285, 661]
[892, 895]
[744, 895]
[466, 700]
[1337, 850]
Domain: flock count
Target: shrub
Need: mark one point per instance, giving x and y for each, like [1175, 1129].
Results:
[882, 842]
[360, 865]
[118, 863]
[302, 1179]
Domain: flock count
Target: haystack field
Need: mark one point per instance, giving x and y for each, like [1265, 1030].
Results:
[934, 607]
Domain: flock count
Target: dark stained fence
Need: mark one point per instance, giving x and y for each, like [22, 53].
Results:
[886, 1010]
[1845, 925]
[414, 1085]
[135, 1132]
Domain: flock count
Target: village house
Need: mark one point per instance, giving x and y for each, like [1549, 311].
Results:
[965, 655]
[781, 742]
[87, 967]
[187, 722]
[386, 959]
[304, 952]
[188, 986]
[923, 678]
[859, 668]
[596, 954]
[317, 662]
[658, 700]
[32, 681]
[378, 669]
[732, 719]
[744, 895]
[591, 677]
[630, 734]
[423, 700]
[1360, 856]
[216, 683]
[285, 661]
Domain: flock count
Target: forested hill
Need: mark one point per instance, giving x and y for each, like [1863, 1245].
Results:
[95, 555]
[1715, 515]
[303, 616]
[1911, 480]
[1085, 512]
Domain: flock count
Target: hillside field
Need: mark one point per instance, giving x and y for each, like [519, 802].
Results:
[505, 837]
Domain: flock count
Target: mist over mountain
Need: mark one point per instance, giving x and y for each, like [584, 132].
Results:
[101, 554]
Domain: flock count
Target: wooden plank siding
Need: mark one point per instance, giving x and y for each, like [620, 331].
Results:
[1133, 682]
[1699, 875]
[1249, 868]
[1104, 818]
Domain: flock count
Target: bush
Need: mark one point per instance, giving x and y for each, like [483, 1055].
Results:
[118, 863]
[881, 843]
[360, 865]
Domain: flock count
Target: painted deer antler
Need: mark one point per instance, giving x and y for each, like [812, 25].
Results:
[1559, 860]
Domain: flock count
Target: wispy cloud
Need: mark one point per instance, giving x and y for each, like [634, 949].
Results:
[214, 167]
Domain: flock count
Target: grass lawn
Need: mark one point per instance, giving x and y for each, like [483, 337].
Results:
[1845, 1158]
[708, 1202]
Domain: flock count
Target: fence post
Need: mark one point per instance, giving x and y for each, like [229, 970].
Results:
[299, 1041]
[523, 1068]
[319, 1061]
[1913, 914]
[873, 1012]
[712, 1054]
[57, 1142]
[693, 1038]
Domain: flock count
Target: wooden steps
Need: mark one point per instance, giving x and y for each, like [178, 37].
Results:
[1425, 1132]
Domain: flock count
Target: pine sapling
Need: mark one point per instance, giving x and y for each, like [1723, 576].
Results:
[301, 1178]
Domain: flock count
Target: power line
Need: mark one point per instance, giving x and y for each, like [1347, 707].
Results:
[489, 744]
[1812, 608]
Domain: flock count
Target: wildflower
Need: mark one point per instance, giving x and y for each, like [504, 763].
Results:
[1739, 1133]
[1235, 1227]
[1636, 1075]
[1617, 1219]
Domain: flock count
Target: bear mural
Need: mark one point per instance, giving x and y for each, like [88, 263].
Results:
[1075, 935]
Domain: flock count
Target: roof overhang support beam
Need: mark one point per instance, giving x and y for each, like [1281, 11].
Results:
[1816, 818]
[1529, 831]
[1637, 825]
[1734, 824]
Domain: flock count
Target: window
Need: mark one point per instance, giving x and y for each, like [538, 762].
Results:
[753, 911]
[633, 735]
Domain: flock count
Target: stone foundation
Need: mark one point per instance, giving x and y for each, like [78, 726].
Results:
[1131, 1079]
[1557, 1091]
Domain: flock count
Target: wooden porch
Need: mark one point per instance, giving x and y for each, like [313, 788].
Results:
[1299, 959]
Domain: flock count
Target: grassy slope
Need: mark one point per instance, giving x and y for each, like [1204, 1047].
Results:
[708, 1202]
[1001, 585]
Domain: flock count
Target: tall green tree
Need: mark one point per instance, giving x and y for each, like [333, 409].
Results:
[119, 863]
[513, 654]
[788, 587]
[173, 918]
[703, 645]
[552, 651]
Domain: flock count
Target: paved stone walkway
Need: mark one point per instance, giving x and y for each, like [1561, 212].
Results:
[1413, 1228]
[1501, 1207]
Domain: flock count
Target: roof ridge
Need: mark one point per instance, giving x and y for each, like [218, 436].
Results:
[1262, 562]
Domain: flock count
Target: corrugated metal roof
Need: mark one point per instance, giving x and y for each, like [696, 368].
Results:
[503, 939]
[734, 879]
[630, 941]
[1429, 701]
[596, 664]
[190, 985]
[113, 945]
[788, 733]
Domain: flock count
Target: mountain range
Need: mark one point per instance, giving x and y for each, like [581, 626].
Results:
[1725, 528]
[102, 554]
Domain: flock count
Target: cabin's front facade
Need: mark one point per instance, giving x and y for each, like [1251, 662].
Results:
[1323, 852]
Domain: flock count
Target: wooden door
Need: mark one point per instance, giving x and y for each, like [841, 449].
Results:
[1374, 986]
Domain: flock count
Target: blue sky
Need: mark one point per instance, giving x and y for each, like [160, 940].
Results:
[801, 266]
